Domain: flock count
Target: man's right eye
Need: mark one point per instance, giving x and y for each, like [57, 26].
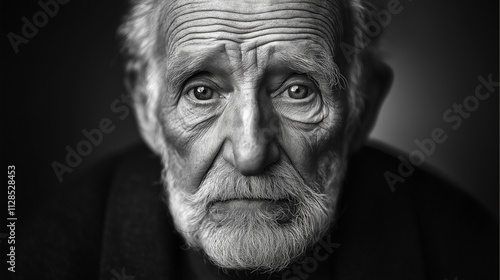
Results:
[201, 92]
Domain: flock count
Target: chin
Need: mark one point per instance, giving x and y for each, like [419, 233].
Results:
[261, 223]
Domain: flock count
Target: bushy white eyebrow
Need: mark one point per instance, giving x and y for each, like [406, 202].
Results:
[313, 61]
[183, 65]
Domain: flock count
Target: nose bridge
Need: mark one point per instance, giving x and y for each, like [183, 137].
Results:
[250, 131]
[251, 136]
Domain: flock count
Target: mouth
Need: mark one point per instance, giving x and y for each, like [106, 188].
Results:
[282, 211]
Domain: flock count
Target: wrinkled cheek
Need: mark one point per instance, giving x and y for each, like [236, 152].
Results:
[306, 143]
[335, 137]
[172, 129]
[174, 154]
[331, 132]
[190, 149]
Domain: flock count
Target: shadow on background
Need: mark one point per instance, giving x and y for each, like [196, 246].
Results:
[67, 78]
[437, 50]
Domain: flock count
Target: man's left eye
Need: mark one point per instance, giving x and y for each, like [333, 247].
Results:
[298, 91]
[202, 92]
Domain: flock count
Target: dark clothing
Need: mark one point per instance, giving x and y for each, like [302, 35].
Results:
[113, 225]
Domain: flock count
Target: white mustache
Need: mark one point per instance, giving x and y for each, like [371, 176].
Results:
[278, 182]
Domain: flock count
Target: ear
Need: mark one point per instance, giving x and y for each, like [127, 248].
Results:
[136, 85]
[377, 81]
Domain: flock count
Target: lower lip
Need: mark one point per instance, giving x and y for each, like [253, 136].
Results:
[222, 210]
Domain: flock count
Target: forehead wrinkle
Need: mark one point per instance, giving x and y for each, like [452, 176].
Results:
[328, 14]
[279, 33]
[250, 24]
[253, 62]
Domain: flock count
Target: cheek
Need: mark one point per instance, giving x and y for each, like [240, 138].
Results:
[192, 137]
[305, 142]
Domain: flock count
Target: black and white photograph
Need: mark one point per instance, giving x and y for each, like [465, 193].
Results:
[249, 139]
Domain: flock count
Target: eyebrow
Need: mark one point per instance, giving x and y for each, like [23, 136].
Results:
[314, 62]
[183, 65]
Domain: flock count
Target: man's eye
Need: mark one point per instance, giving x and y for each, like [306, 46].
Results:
[202, 92]
[298, 91]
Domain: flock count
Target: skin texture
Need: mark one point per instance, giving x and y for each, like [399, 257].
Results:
[250, 53]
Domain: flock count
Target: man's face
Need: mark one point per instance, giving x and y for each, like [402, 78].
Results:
[253, 119]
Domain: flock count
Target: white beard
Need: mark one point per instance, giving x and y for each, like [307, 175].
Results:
[254, 240]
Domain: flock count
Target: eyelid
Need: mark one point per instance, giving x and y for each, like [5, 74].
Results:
[298, 79]
[188, 92]
[201, 81]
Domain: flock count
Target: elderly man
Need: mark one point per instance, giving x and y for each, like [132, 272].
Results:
[259, 119]
[247, 105]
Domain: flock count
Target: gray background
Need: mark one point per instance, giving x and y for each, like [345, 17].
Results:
[67, 76]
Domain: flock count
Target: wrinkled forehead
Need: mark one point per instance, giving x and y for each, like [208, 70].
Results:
[251, 23]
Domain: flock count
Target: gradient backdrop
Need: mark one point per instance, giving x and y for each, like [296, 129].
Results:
[67, 76]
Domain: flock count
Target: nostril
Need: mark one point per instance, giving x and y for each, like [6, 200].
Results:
[253, 160]
[250, 160]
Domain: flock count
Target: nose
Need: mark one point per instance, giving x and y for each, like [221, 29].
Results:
[252, 135]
